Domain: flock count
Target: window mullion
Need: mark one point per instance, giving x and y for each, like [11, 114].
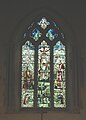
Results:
[51, 76]
[35, 76]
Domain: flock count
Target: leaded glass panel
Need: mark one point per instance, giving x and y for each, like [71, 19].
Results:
[43, 23]
[27, 98]
[48, 54]
[43, 88]
[59, 75]
[36, 34]
[51, 34]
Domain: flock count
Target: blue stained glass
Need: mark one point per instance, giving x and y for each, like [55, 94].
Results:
[51, 34]
[58, 46]
[43, 23]
[42, 29]
[29, 45]
[36, 34]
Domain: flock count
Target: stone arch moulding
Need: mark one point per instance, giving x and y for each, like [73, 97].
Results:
[15, 58]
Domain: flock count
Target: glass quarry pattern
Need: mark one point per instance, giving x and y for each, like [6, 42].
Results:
[43, 88]
[27, 98]
[45, 43]
[59, 75]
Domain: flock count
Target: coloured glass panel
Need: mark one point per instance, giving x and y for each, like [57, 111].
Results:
[36, 34]
[59, 76]
[43, 23]
[51, 34]
[36, 31]
[27, 95]
[43, 88]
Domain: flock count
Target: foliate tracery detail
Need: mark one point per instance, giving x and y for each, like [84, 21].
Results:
[44, 64]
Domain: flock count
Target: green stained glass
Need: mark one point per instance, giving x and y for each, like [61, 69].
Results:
[36, 34]
[51, 62]
[27, 95]
[51, 34]
[43, 93]
[59, 76]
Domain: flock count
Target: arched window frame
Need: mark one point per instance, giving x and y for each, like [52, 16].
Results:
[15, 62]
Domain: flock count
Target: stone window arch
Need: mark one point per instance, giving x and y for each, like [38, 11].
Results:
[64, 37]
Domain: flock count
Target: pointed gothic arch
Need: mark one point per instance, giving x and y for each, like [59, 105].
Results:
[21, 36]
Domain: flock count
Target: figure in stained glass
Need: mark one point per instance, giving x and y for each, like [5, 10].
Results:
[27, 75]
[45, 41]
[59, 75]
[44, 75]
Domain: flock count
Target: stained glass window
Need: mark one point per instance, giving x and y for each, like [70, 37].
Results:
[59, 75]
[36, 34]
[43, 23]
[43, 75]
[43, 80]
[27, 96]
[51, 34]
